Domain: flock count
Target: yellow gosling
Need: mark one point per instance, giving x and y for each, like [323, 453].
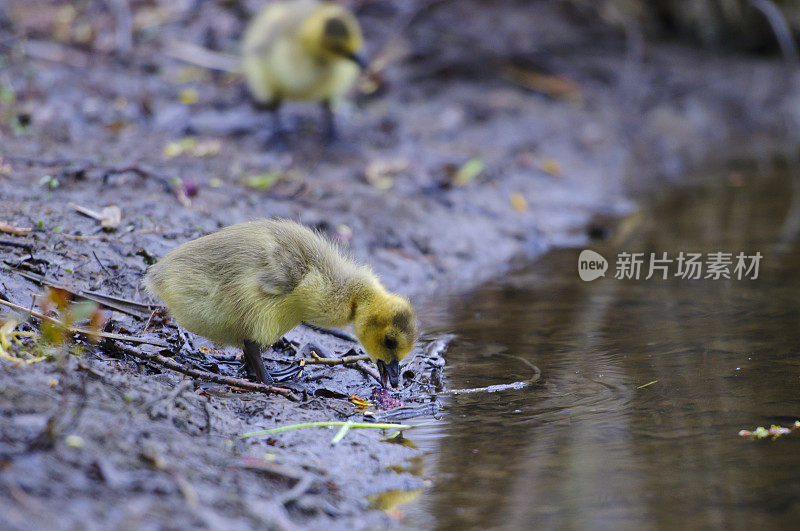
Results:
[248, 284]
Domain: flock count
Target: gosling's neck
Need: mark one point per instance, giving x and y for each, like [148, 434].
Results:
[336, 303]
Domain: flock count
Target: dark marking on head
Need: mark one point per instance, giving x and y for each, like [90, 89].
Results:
[336, 28]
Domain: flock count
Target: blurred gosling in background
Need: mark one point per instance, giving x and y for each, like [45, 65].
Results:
[302, 50]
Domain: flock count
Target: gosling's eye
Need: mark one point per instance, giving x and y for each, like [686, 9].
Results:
[390, 343]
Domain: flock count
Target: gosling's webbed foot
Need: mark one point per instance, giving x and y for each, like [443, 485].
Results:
[286, 374]
[329, 133]
[278, 138]
[282, 377]
[254, 366]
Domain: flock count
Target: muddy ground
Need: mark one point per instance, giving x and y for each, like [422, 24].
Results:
[562, 118]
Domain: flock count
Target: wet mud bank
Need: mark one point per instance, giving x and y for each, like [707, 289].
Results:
[464, 155]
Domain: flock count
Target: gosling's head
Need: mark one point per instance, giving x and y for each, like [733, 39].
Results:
[387, 327]
[332, 32]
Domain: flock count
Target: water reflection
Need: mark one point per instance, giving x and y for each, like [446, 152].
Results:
[589, 449]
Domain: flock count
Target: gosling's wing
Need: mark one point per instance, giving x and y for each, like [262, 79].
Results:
[284, 262]
[278, 281]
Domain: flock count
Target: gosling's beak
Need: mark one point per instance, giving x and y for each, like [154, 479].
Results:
[358, 59]
[389, 373]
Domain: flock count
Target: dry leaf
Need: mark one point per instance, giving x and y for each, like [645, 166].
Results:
[519, 202]
[551, 166]
[555, 86]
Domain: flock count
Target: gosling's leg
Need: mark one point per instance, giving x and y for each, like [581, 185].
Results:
[254, 364]
[279, 133]
[329, 123]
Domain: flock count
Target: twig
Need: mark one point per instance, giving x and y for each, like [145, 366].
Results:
[346, 426]
[316, 360]
[197, 55]
[101, 264]
[369, 371]
[210, 376]
[84, 332]
[16, 231]
[55, 53]
[149, 320]
[537, 373]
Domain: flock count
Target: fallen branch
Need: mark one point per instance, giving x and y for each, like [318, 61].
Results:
[83, 331]
[129, 307]
[210, 376]
[537, 374]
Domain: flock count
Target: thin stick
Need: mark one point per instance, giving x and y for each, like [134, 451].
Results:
[316, 360]
[203, 57]
[210, 376]
[149, 320]
[537, 373]
[16, 231]
[101, 264]
[369, 371]
[325, 424]
[84, 332]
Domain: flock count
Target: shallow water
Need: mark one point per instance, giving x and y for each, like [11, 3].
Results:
[589, 448]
